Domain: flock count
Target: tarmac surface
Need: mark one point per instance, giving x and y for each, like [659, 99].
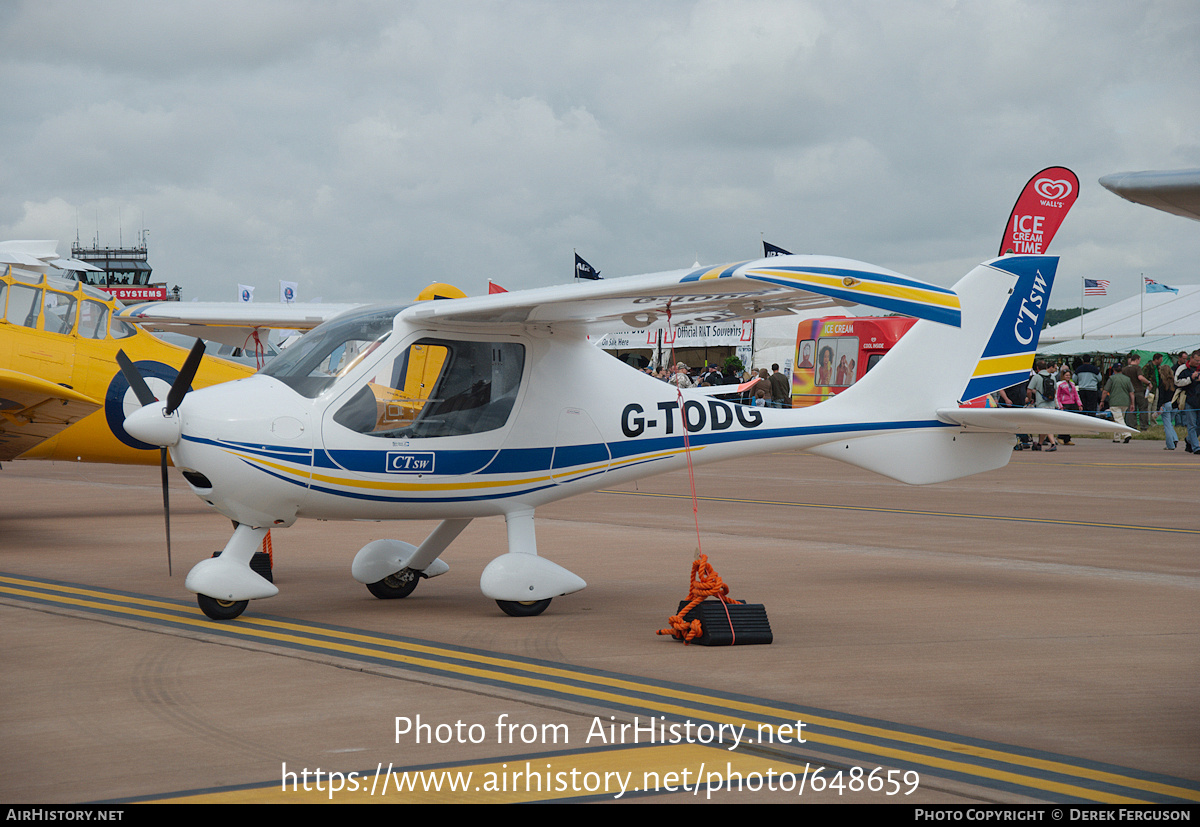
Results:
[1026, 635]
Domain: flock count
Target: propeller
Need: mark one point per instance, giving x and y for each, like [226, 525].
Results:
[164, 436]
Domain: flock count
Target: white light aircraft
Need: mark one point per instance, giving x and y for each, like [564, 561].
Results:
[496, 405]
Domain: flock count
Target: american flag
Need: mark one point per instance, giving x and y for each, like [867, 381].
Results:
[1095, 287]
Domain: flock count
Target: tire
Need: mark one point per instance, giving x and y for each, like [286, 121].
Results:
[395, 586]
[529, 608]
[221, 609]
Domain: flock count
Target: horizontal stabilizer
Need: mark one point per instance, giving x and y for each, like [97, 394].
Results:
[925, 456]
[1029, 421]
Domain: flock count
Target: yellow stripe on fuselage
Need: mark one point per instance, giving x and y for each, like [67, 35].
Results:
[389, 485]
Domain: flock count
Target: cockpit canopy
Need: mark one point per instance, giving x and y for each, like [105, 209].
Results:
[436, 388]
[330, 350]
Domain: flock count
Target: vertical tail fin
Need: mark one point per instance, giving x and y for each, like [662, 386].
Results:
[1008, 355]
[936, 366]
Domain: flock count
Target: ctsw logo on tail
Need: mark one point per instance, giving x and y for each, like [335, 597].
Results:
[1009, 353]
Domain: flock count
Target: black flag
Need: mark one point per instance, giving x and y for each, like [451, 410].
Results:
[770, 249]
[583, 270]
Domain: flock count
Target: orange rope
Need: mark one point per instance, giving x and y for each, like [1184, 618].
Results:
[687, 446]
[705, 583]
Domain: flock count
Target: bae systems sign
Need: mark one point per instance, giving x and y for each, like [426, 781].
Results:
[140, 293]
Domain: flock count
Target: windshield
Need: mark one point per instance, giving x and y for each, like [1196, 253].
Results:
[332, 349]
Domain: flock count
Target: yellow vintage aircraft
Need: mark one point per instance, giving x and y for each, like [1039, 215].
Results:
[62, 395]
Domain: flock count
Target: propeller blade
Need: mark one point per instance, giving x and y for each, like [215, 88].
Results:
[140, 389]
[179, 389]
[166, 508]
[187, 373]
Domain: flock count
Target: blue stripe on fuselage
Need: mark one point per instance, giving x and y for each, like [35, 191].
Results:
[532, 459]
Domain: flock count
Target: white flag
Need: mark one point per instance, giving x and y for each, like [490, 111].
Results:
[245, 293]
[287, 291]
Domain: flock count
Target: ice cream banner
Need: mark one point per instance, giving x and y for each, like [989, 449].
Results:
[1040, 211]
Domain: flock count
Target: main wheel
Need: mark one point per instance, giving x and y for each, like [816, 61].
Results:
[527, 608]
[400, 584]
[221, 609]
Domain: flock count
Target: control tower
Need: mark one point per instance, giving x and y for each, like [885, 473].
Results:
[125, 272]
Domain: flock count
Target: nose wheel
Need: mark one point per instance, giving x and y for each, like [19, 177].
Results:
[524, 608]
[221, 609]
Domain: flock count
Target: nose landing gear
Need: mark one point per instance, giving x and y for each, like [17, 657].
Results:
[221, 609]
[524, 608]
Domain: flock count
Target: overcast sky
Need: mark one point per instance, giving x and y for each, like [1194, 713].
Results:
[365, 149]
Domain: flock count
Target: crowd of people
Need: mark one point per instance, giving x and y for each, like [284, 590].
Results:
[1136, 395]
[764, 390]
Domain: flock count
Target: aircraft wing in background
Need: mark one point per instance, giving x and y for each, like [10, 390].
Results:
[231, 323]
[1174, 191]
[32, 410]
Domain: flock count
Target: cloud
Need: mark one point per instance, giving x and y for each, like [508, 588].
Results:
[372, 147]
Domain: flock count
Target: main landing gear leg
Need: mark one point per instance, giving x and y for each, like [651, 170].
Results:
[521, 583]
[391, 569]
[224, 585]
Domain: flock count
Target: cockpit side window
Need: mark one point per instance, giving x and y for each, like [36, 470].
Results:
[438, 387]
[24, 304]
[93, 319]
[331, 350]
[59, 316]
[121, 329]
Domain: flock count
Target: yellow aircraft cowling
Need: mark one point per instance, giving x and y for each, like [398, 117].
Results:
[440, 290]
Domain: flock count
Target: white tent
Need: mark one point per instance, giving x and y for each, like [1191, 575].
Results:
[1162, 322]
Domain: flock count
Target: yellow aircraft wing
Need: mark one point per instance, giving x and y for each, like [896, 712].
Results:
[32, 410]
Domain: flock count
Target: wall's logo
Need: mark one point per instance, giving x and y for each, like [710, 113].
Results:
[1055, 190]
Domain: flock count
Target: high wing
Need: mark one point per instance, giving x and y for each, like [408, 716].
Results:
[775, 286]
[231, 323]
[32, 410]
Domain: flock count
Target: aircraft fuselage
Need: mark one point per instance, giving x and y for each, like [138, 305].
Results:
[569, 419]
